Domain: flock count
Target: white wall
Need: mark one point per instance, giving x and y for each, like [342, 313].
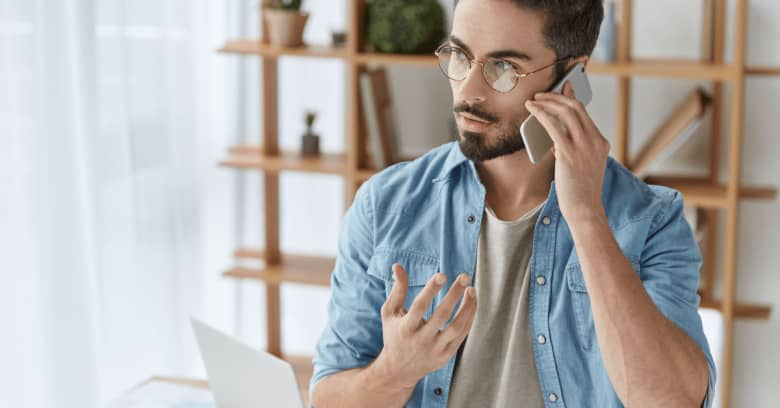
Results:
[663, 28]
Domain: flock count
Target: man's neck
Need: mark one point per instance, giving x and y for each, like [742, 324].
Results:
[514, 185]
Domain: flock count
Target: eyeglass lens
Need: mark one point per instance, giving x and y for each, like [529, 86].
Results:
[499, 74]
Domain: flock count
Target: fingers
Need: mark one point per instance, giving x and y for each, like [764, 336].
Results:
[447, 305]
[424, 299]
[550, 123]
[568, 99]
[395, 301]
[565, 114]
[461, 324]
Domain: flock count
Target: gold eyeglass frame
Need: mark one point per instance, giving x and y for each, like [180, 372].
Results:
[473, 60]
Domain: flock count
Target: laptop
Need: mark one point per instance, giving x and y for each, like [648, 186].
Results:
[242, 377]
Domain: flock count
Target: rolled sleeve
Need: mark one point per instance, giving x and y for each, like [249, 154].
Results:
[670, 273]
[353, 333]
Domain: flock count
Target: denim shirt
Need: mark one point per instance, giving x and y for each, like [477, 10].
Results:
[426, 215]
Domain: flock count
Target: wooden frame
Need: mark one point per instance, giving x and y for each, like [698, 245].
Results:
[707, 192]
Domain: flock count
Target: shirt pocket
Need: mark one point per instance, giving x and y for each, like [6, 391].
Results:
[419, 267]
[580, 301]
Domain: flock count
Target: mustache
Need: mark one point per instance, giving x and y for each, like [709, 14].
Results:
[476, 111]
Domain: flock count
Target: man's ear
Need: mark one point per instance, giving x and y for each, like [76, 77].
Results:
[584, 59]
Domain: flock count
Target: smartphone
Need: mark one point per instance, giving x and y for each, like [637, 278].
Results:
[537, 141]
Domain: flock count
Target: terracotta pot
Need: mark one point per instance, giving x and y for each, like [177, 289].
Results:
[285, 27]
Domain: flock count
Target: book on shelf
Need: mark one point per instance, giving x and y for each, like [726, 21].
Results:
[378, 114]
[676, 129]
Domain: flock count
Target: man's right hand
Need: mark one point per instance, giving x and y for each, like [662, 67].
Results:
[413, 347]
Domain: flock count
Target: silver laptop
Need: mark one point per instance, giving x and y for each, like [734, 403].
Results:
[242, 377]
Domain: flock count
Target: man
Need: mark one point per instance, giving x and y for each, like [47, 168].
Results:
[583, 278]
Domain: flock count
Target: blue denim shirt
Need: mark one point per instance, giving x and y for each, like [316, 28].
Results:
[426, 214]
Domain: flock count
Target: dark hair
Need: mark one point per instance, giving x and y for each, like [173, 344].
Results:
[571, 27]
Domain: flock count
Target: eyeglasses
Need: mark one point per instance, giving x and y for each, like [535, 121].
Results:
[500, 74]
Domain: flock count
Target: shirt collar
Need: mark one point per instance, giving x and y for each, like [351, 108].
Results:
[454, 159]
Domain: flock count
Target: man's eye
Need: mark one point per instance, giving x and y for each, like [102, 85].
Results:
[459, 54]
[502, 65]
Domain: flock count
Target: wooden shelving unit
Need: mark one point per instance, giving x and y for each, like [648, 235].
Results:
[707, 192]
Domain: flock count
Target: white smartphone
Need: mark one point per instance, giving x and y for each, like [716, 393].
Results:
[537, 141]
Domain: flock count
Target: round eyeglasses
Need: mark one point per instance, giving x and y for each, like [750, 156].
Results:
[500, 74]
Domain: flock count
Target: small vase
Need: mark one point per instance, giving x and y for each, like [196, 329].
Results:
[310, 145]
[285, 27]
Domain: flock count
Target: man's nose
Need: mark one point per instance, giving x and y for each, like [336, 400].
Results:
[473, 88]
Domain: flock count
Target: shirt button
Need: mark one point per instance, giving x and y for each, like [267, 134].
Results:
[471, 219]
[546, 220]
[552, 397]
[541, 280]
[437, 391]
[541, 339]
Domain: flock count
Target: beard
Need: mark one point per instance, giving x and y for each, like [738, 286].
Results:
[479, 147]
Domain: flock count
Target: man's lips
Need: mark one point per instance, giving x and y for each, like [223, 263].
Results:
[472, 117]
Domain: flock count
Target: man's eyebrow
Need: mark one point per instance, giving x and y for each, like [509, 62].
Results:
[495, 54]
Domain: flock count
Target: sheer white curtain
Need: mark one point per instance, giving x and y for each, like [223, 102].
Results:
[113, 215]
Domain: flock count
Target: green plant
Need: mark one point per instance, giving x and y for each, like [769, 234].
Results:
[404, 26]
[310, 117]
[286, 4]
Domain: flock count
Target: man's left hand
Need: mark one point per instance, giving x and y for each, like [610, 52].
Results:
[580, 153]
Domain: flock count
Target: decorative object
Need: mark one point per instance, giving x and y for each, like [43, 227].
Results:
[310, 141]
[338, 38]
[606, 46]
[285, 22]
[404, 26]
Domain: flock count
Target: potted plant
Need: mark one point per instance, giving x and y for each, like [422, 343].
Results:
[404, 26]
[285, 22]
[310, 141]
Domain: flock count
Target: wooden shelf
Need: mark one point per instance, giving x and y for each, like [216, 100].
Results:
[397, 59]
[703, 193]
[249, 157]
[311, 270]
[742, 310]
[253, 47]
[186, 382]
[762, 70]
[663, 68]
[677, 68]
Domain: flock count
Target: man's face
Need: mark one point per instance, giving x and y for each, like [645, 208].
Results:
[489, 121]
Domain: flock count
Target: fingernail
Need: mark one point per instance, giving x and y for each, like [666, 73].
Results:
[470, 292]
[464, 280]
[440, 278]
